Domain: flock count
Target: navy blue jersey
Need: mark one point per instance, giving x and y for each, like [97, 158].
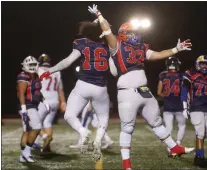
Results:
[198, 90]
[33, 95]
[129, 57]
[171, 88]
[94, 61]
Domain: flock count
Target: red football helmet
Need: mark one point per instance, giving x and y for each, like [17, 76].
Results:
[129, 34]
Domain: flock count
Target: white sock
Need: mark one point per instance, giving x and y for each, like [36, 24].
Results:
[178, 142]
[170, 142]
[82, 130]
[27, 150]
[37, 139]
[125, 153]
[125, 139]
[44, 136]
[99, 134]
[106, 137]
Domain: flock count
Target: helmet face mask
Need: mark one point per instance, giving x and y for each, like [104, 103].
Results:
[201, 64]
[30, 64]
[172, 64]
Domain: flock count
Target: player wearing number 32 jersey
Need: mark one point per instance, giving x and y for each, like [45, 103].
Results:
[128, 53]
[91, 85]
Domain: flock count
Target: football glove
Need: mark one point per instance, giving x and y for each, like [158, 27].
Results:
[24, 117]
[94, 10]
[186, 113]
[181, 46]
[45, 75]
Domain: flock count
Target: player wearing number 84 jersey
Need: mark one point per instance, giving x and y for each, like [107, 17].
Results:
[91, 84]
[169, 87]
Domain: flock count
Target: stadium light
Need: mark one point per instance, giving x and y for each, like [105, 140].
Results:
[135, 23]
[144, 23]
[77, 68]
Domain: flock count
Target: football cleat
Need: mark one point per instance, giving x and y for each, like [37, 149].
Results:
[96, 151]
[107, 144]
[200, 162]
[180, 150]
[127, 164]
[26, 159]
[84, 141]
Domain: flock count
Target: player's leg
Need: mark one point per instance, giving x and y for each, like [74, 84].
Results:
[77, 100]
[151, 113]
[48, 131]
[198, 120]
[181, 126]
[168, 119]
[127, 106]
[100, 104]
[33, 128]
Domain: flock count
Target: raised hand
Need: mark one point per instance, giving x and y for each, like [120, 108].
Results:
[181, 46]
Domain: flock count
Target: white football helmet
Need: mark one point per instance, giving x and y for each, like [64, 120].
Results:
[30, 64]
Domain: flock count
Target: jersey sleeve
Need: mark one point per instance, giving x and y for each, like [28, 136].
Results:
[23, 77]
[161, 76]
[187, 75]
[79, 44]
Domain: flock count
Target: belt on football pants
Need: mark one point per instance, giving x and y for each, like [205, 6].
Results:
[137, 90]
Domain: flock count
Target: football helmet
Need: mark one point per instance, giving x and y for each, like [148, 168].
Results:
[201, 64]
[172, 63]
[44, 60]
[128, 33]
[30, 64]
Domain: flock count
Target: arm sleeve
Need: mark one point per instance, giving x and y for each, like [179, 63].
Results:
[23, 77]
[112, 67]
[185, 88]
[66, 62]
[114, 51]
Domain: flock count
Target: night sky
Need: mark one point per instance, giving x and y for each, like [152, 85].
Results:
[33, 28]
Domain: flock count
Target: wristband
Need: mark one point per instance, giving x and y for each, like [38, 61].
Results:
[175, 50]
[23, 107]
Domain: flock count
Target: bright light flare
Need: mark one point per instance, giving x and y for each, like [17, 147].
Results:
[77, 68]
[135, 23]
[144, 23]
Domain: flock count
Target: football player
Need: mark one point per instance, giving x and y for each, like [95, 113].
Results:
[52, 91]
[169, 87]
[129, 52]
[195, 84]
[91, 84]
[29, 95]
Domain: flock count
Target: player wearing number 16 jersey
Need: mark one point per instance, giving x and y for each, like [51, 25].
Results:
[169, 87]
[128, 53]
[91, 85]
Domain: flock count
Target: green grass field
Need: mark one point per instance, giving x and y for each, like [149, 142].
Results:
[147, 151]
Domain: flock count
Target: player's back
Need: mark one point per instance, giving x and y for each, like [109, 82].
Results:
[94, 61]
[129, 60]
[171, 88]
[198, 91]
[50, 85]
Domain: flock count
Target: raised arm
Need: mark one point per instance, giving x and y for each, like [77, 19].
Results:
[111, 38]
[62, 64]
[154, 55]
[112, 67]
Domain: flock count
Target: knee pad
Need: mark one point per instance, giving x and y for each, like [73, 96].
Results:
[156, 122]
[127, 128]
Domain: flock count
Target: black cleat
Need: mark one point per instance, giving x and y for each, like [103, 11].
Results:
[200, 162]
